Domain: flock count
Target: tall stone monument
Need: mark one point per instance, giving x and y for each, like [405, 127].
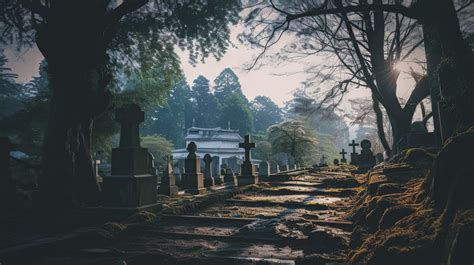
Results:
[130, 185]
[264, 171]
[343, 153]
[208, 179]
[248, 173]
[168, 180]
[193, 179]
[354, 154]
[216, 171]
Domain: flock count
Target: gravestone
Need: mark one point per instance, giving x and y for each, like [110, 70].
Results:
[274, 167]
[96, 164]
[336, 162]
[264, 171]
[168, 180]
[322, 161]
[193, 180]
[208, 179]
[354, 154]
[248, 172]
[343, 153]
[216, 171]
[130, 186]
[379, 157]
[7, 186]
[151, 164]
[292, 163]
[366, 158]
[177, 174]
[229, 177]
[233, 163]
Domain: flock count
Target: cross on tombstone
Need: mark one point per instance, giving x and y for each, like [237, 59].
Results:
[343, 153]
[247, 145]
[353, 145]
[207, 166]
[129, 116]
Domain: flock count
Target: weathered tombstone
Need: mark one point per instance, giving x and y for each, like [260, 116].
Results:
[151, 164]
[216, 171]
[274, 167]
[264, 171]
[234, 164]
[248, 173]
[96, 164]
[322, 161]
[168, 180]
[379, 157]
[7, 186]
[291, 163]
[336, 162]
[354, 154]
[177, 174]
[229, 177]
[366, 158]
[208, 179]
[193, 180]
[130, 185]
[343, 153]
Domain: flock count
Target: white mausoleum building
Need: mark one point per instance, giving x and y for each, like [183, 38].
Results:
[217, 142]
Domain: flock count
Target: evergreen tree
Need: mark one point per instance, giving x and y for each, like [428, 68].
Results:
[206, 103]
[10, 99]
[265, 113]
[172, 119]
[227, 83]
[235, 110]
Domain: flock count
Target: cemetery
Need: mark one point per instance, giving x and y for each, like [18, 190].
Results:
[338, 132]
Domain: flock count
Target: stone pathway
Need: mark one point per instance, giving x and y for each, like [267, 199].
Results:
[295, 218]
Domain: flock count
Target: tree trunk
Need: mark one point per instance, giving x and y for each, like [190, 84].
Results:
[455, 67]
[74, 47]
[401, 126]
[380, 126]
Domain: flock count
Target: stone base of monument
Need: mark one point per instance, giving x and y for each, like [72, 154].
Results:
[129, 192]
[193, 183]
[230, 180]
[209, 182]
[247, 180]
[218, 180]
[264, 178]
[171, 191]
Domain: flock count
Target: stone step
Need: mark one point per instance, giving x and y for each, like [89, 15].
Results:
[291, 205]
[243, 221]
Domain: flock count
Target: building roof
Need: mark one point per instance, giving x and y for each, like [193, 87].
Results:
[212, 134]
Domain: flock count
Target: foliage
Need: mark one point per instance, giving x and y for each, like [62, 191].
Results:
[159, 146]
[326, 147]
[227, 83]
[265, 113]
[294, 138]
[206, 103]
[10, 92]
[235, 111]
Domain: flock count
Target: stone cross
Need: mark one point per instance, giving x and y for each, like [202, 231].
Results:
[343, 153]
[353, 145]
[247, 145]
[129, 116]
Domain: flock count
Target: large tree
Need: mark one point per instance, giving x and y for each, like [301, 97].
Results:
[83, 43]
[265, 113]
[235, 111]
[294, 138]
[372, 53]
[206, 104]
[226, 83]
